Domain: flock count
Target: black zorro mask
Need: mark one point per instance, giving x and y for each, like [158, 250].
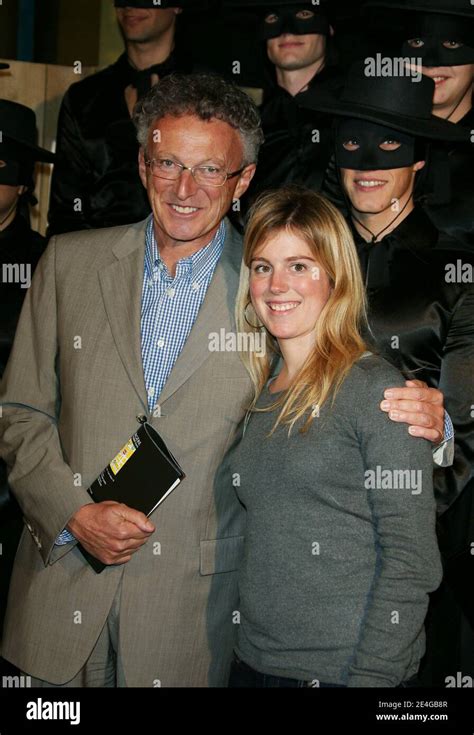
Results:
[10, 173]
[17, 165]
[369, 156]
[287, 21]
[443, 40]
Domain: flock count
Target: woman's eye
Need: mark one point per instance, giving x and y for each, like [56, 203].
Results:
[299, 267]
[351, 145]
[390, 145]
[452, 44]
[260, 268]
[416, 43]
[272, 18]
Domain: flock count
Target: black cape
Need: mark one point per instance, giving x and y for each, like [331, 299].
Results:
[95, 179]
[423, 324]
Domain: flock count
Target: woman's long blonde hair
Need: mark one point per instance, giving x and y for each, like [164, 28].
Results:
[338, 341]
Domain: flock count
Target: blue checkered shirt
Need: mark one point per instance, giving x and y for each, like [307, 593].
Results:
[169, 309]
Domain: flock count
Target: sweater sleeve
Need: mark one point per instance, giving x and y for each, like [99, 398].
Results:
[398, 480]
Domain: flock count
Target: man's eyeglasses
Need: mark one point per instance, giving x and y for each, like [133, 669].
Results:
[206, 175]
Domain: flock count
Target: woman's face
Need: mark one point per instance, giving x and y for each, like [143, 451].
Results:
[288, 288]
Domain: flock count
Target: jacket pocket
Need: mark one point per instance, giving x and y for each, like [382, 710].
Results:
[221, 554]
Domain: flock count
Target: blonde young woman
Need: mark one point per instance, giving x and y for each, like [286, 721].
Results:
[340, 545]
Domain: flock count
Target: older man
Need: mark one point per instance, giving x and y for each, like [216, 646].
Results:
[118, 323]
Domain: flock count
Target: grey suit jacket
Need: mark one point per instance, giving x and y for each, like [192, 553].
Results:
[71, 393]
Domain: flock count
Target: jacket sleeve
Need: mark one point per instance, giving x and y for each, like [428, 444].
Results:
[71, 180]
[408, 566]
[30, 399]
[457, 384]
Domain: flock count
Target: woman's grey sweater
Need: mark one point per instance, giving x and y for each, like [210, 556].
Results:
[341, 550]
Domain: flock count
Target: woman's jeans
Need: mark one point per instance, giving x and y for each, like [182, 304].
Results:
[243, 676]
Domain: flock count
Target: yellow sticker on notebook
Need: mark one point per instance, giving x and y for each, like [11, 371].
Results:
[122, 457]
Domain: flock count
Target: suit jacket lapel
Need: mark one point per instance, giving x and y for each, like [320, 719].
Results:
[213, 314]
[121, 284]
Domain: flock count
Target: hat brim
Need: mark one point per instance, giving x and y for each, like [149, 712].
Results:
[417, 9]
[4, 66]
[433, 128]
[34, 151]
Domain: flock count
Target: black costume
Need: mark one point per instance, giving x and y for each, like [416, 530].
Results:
[423, 324]
[451, 207]
[298, 144]
[95, 181]
[19, 244]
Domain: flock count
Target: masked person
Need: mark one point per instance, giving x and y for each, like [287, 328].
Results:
[95, 182]
[298, 46]
[439, 34]
[420, 305]
[20, 250]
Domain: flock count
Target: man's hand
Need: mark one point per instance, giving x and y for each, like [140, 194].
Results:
[419, 406]
[110, 531]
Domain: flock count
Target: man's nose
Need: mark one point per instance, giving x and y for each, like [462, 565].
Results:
[186, 186]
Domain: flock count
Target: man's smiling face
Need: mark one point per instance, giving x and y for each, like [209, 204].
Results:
[185, 211]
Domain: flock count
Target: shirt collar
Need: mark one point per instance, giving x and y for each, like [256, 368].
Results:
[195, 267]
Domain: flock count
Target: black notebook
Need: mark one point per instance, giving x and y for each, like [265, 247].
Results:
[141, 476]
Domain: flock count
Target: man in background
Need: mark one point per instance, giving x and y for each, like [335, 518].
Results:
[299, 55]
[95, 183]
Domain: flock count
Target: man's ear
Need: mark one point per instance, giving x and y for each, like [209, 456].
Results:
[244, 180]
[331, 31]
[419, 165]
[142, 167]
[178, 11]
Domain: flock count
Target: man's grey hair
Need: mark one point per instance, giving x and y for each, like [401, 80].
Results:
[207, 96]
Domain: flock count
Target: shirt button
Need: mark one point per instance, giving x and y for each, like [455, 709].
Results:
[160, 342]
[150, 282]
[196, 286]
[171, 292]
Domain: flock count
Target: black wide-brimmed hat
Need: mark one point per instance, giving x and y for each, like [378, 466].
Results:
[18, 132]
[396, 102]
[462, 8]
